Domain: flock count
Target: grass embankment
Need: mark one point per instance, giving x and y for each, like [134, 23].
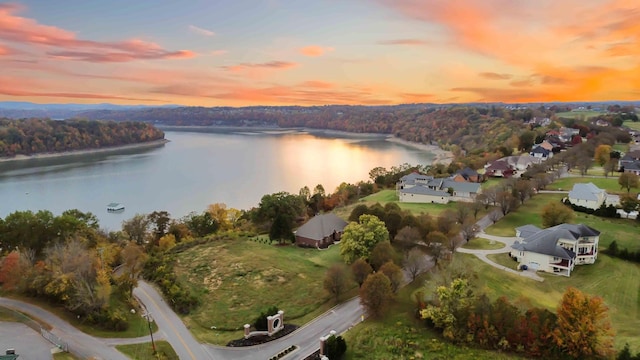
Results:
[400, 335]
[65, 356]
[616, 281]
[483, 244]
[138, 326]
[239, 278]
[144, 351]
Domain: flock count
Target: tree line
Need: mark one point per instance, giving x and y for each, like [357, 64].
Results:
[34, 136]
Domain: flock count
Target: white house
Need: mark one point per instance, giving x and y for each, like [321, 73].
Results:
[587, 195]
[556, 249]
[418, 188]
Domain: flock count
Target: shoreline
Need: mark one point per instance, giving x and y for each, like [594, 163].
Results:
[440, 156]
[147, 144]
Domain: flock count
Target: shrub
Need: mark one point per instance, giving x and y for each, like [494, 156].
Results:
[261, 322]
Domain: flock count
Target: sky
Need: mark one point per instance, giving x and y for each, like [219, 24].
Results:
[318, 52]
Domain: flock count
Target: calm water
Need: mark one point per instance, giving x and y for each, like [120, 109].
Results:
[196, 169]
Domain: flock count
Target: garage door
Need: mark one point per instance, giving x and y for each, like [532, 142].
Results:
[534, 265]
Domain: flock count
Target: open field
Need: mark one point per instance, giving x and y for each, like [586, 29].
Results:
[239, 278]
[632, 125]
[483, 244]
[400, 335]
[144, 351]
[624, 231]
[609, 184]
[616, 281]
[579, 115]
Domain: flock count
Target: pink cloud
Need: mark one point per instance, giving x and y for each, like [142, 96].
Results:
[21, 30]
[219, 52]
[317, 84]
[314, 50]
[271, 65]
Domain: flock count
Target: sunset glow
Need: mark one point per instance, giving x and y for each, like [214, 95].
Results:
[288, 52]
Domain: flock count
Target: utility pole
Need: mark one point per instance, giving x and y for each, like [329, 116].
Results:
[153, 344]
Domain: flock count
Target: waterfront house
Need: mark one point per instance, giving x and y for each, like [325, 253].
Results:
[418, 188]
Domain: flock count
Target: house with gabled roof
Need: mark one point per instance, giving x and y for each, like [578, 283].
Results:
[587, 195]
[418, 188]
[556, 249]
[467, 175]
[499, 168]
[320, 231]
[541, 152]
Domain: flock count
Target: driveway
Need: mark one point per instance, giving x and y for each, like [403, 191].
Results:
[507, 241]
[28, 343]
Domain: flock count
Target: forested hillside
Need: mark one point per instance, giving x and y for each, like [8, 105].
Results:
[471, 128]
[32, 136]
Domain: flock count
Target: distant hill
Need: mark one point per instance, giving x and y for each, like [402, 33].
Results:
[21, 109]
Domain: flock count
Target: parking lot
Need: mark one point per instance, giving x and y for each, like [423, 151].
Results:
[28, 343]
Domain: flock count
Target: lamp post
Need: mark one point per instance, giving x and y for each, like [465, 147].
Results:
[153, 344]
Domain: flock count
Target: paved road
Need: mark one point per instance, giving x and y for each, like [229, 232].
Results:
[28, 343]
[81, 344]
[507, 241]
[170, 326]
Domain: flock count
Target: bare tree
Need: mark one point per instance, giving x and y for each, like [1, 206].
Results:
[494, 216]
[468, 229]
[337, 281]
[506, 201]
[463, 210]
[415, 262]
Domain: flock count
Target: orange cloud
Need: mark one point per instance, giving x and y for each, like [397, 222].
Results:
[317, 84]
[411, 42]
[22, 31]
[314, 50]
[495, 76]
[416, 98]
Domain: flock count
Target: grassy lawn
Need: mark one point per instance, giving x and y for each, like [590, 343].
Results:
[239, 278]
[401, 336]
[529, 213]
[621, 147]
[632, 125]
[65, 356]
[609, 184]
[504, 260]
[586, 114]
[144, 351]
[483, 244]
[616, 281]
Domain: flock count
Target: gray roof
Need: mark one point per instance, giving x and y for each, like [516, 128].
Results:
[461, 186]
[527, 230]
[632, 166]
[321, 226]
[411, 179]
[546, 241]
[423, 190]
[586, 191]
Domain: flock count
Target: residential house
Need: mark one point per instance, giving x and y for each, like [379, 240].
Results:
[418, 188]
[587, 195]
[467, 175]
[520, 163]
[499, 168]
[633, 168]
[541, 152]
[567, 134]
[628, 159]
[556, 249]
[320, 231]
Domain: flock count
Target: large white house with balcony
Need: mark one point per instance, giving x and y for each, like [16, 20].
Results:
[556, 249]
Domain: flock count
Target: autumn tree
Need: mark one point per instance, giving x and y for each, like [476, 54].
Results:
[602, 154]
[523, 189]
[394, 273]
[629, 203]
[159, 221]
[583, 327]
[628, 181]
[359, 239]
[360, 270]
[219, 213]
[376, 294]
[407, 238]
[10, 270]
[337, 281]
[506, 201]
[452, 309]
[556, 213]
[137, 228]
[382, 253]
[133, 258]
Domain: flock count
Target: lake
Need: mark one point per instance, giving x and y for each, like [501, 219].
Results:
[196, 169]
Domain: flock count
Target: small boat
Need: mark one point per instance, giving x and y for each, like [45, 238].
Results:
[115, 207]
